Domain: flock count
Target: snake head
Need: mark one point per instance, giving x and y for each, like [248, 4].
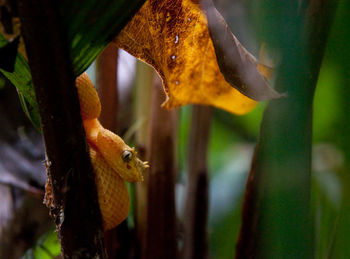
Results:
[134, 164]
[119, 156]
[122, 158]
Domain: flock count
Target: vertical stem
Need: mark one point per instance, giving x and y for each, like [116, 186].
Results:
[117, 240]
[161, 218]
[277, 221]
[341, 53]
[144, 82]
[196, 217]
[106, 81]
[75, 209]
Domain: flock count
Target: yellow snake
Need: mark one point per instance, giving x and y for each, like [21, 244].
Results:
[113, 161]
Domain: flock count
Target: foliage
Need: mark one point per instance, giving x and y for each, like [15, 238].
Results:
[91, 25]
[87, 33]
[22, 79]
[330, 184]
[176, 41]
[47, 247]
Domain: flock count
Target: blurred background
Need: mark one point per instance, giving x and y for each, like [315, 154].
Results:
[23, 217]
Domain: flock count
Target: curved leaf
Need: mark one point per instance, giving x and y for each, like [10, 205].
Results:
[46, 247]
[92, 24]
[22, 79]
[173, 37]
[237, 65]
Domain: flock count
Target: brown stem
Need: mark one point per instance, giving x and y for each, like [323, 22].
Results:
[117, 240]
[75, 209]
[161, 218]
[106, 82]
[143, 96]
[196, 217]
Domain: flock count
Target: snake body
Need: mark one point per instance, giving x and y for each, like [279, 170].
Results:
[113, 161]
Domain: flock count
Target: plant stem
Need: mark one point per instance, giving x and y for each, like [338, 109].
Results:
[117, 240]
[143, 96]
[338, 48]
[277, 221]
[196, 217]
[106, 82]
[144, 82]
[75, 209]
[160, 211]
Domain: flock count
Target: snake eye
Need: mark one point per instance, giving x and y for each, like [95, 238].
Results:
[127, 156]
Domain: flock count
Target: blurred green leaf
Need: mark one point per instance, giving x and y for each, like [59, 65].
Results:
[91, 25]
[2, 82]
[339, 52]
[326, 211]
[47, 247]
[31, 111]
[220, 239]
[22, 79]
[226, 194]
[327, 110]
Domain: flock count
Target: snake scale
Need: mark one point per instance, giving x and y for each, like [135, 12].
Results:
[113, 161]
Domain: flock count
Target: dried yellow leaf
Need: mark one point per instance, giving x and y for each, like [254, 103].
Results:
[173, 37]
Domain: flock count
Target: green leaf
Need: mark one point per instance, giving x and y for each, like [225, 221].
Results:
[47, 247]
[91, 25]
[31, 111]
[2, 82]
[22, 79]
[326, 200]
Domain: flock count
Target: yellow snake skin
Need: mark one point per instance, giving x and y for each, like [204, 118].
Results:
[113, 161]
[113, 196]
[90, 106]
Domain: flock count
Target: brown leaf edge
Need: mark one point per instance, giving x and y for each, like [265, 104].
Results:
[239, 68]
